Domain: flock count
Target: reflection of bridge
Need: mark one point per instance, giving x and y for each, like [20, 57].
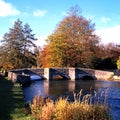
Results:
[64, 73]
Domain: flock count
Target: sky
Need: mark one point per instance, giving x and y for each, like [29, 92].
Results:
[44, 15]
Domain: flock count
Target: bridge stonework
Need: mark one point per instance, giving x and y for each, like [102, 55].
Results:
[74, 73]
[67, 73]
[50, 73]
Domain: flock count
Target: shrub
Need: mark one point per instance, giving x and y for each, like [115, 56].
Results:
[47, 109]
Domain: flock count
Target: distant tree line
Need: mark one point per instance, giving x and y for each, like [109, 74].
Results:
[73, 43]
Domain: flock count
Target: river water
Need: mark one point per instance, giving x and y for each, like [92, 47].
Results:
[56, 88]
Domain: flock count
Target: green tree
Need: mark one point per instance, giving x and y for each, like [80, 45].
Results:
[107, 56]
[17, 47]
[73, 42]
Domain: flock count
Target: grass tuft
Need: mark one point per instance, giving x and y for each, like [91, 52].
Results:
[83, 108]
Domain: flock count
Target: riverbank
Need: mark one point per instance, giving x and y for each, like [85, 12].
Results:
[12, 104]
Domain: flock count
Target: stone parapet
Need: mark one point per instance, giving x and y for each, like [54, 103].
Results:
[72, 73]
[104, 75]
[18, 78]
[100, 74]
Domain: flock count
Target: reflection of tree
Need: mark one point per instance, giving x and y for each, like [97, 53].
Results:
[86, 85]
[58, 87]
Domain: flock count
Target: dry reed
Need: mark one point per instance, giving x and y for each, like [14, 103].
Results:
[87, 107]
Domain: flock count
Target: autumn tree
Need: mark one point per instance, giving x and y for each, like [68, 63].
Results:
[73, 42]
[108, 54]
[17, 47]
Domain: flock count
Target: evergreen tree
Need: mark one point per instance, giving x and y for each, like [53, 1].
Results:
[17, 47]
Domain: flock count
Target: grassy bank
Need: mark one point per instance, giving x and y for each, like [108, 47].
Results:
[12, 104]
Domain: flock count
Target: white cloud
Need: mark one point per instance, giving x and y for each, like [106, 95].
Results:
[105, 19]
[40, 13]
[7, 9]
[41, 40]
[109, 35]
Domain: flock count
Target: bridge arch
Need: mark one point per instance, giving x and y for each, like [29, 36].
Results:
[51, 74]
[67, 74]
[87, 77]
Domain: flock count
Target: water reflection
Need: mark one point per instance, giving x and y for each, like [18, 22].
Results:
[66, 88]
[55, 88]
[113, 96]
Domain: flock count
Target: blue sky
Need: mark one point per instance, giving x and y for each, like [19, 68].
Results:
[44, 15]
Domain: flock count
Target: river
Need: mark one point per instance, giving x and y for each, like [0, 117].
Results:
[55, 89]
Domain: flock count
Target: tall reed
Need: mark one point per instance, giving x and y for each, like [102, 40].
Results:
[84, 107]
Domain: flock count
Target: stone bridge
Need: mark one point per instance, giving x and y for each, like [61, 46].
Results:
[65, 73]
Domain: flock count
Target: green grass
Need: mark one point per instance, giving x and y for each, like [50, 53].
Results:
[12, 104]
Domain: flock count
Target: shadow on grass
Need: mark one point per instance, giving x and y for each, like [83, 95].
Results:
[11, 100]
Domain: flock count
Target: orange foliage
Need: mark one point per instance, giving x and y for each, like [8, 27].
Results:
[72, 42]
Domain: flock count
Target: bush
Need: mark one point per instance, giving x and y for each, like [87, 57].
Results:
[47, 109]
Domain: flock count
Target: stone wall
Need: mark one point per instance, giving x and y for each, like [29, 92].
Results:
[12, 76]
[18, 78]
[63, 70]
[39, 71]
[103, 75]
[100, 74]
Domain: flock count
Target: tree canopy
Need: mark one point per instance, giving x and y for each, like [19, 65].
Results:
[107, 56]
[73, 42]
[17, 47]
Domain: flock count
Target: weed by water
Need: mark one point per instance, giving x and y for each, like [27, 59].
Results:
[83, 108]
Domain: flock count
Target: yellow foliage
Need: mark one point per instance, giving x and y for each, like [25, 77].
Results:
[46, 109]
